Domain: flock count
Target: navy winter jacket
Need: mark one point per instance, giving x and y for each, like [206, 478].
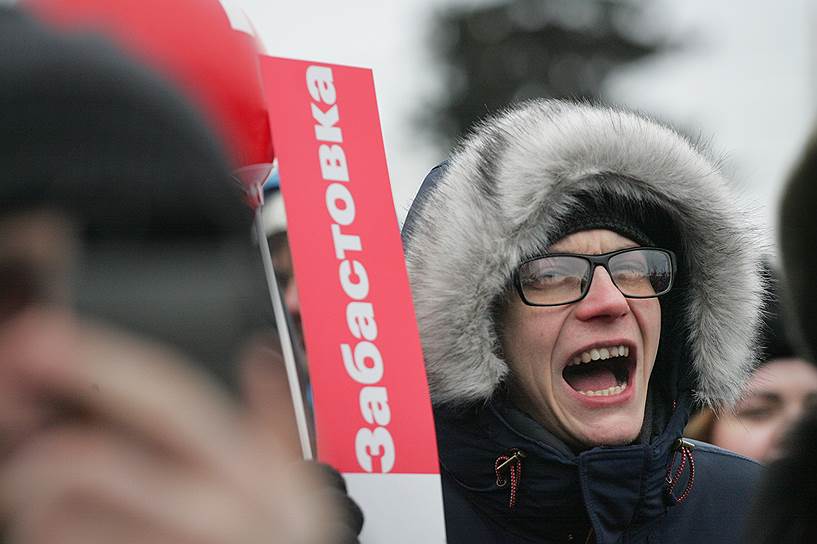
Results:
[603, 495]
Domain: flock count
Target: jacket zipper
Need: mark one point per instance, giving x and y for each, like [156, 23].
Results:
[512, 462]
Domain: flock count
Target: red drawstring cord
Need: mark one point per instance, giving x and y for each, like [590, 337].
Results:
[685, 447]
[513, 461]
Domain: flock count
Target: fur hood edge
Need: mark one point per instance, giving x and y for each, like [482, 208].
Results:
[500, 198]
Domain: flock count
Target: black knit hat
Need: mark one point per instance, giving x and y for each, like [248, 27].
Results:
[156, 171]
[610, 213]
[604, 205]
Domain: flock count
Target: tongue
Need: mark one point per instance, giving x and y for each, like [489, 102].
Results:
[589, 377]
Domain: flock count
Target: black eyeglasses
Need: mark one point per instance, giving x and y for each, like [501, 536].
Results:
[563, 278]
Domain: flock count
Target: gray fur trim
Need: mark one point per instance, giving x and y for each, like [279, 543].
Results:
[500, 199]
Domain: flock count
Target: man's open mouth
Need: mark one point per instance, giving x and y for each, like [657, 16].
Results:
[602, 371]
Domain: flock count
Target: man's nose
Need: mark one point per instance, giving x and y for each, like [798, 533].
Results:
[603, 299]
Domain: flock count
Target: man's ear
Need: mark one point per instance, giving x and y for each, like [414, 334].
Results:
[265, 393]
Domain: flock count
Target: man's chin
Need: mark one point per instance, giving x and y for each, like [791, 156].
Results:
[608, 433]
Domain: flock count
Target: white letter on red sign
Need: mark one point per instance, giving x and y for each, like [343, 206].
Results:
[370, 444]
[339, 193]
[356, 366]
[344, 242]
[360, 319]
[374, 405]
[333, 163]
[357, 290]
[324, 130]
[319, 82]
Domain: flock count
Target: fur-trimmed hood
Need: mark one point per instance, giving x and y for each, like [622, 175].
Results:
[502, 196]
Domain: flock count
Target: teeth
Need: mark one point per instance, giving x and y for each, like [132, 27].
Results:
[610, 391]
[595, 355]
[600, 354]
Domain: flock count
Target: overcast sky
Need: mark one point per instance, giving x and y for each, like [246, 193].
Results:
[746, 79]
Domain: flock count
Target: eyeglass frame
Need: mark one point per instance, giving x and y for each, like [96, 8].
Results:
[595, 261]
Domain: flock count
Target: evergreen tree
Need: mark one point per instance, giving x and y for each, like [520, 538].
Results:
[518, 49]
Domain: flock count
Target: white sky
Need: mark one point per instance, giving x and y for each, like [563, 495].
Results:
[747, 82]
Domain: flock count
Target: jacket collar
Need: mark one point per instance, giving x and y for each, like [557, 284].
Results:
[558, 493]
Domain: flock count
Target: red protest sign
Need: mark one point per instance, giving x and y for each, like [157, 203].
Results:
[371, 403]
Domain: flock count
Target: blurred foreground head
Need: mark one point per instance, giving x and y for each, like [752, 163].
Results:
[784, 508]
[116, 204]
[115, 198]
[798, 241]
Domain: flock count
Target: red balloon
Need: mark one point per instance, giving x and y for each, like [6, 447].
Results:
[207, 47]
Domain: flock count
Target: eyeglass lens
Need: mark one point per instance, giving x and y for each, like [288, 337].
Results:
[560, 279]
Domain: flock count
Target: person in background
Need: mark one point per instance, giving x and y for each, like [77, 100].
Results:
[128, 289]
[274, 219]
[779, 391]
[581, 276]
[275, 225]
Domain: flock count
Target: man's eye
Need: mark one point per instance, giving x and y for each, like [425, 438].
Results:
[629, 273]
[633, 267]
[548, 277]
[545, 281]
[538, 282]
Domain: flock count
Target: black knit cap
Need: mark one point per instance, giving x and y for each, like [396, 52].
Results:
[156, 169]
[589, 217]
[600, 207]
